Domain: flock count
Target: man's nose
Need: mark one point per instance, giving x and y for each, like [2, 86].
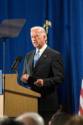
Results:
[33, 38]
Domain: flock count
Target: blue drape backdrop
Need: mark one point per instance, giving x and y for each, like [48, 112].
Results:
[65, 35]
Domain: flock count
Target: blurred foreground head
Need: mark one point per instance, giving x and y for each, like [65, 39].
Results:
[30, 118]
[59, 118]
[9, 121]
[75, 120]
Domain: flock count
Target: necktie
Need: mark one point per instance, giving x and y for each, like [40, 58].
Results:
[36, 57]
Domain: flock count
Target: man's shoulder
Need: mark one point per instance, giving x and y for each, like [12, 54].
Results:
[53, 51]
[54, 54]
[30, 52]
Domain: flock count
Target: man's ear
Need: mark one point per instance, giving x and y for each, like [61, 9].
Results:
[45, 38]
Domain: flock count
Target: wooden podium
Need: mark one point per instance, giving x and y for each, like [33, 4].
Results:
[16, 99]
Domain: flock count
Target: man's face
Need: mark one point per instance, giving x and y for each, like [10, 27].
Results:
[38, 38]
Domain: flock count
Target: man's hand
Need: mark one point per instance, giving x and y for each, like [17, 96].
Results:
[25, 77]
[39, 82]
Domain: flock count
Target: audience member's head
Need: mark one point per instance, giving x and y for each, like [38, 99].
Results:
[75, 120]
[59, 118]
[31, 118]
[8, 121]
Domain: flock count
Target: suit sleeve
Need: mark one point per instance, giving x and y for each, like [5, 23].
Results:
[57, 71]
[25, 66]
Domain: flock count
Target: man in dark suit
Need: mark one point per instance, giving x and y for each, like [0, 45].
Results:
[46, 74]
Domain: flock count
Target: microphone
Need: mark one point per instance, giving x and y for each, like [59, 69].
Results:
[14, 66]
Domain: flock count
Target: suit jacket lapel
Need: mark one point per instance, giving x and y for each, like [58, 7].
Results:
[42, 57]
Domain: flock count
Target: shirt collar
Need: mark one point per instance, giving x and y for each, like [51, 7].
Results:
[42, 49]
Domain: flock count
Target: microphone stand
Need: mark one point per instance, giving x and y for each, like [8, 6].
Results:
[3, 40]
[15, 64]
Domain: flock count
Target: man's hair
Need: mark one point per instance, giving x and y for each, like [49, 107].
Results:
[39, 28]
[35, 118]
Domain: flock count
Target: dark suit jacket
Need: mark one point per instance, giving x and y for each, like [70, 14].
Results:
[49, 68]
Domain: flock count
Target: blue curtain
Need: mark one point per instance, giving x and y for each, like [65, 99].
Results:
[65, 35]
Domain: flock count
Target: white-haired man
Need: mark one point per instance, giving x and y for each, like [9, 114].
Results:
[31, 118]
[43, 71]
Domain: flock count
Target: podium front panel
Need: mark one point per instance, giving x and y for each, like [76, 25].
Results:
[17, 99]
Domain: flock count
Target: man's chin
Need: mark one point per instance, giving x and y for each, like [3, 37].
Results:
[35, 46]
